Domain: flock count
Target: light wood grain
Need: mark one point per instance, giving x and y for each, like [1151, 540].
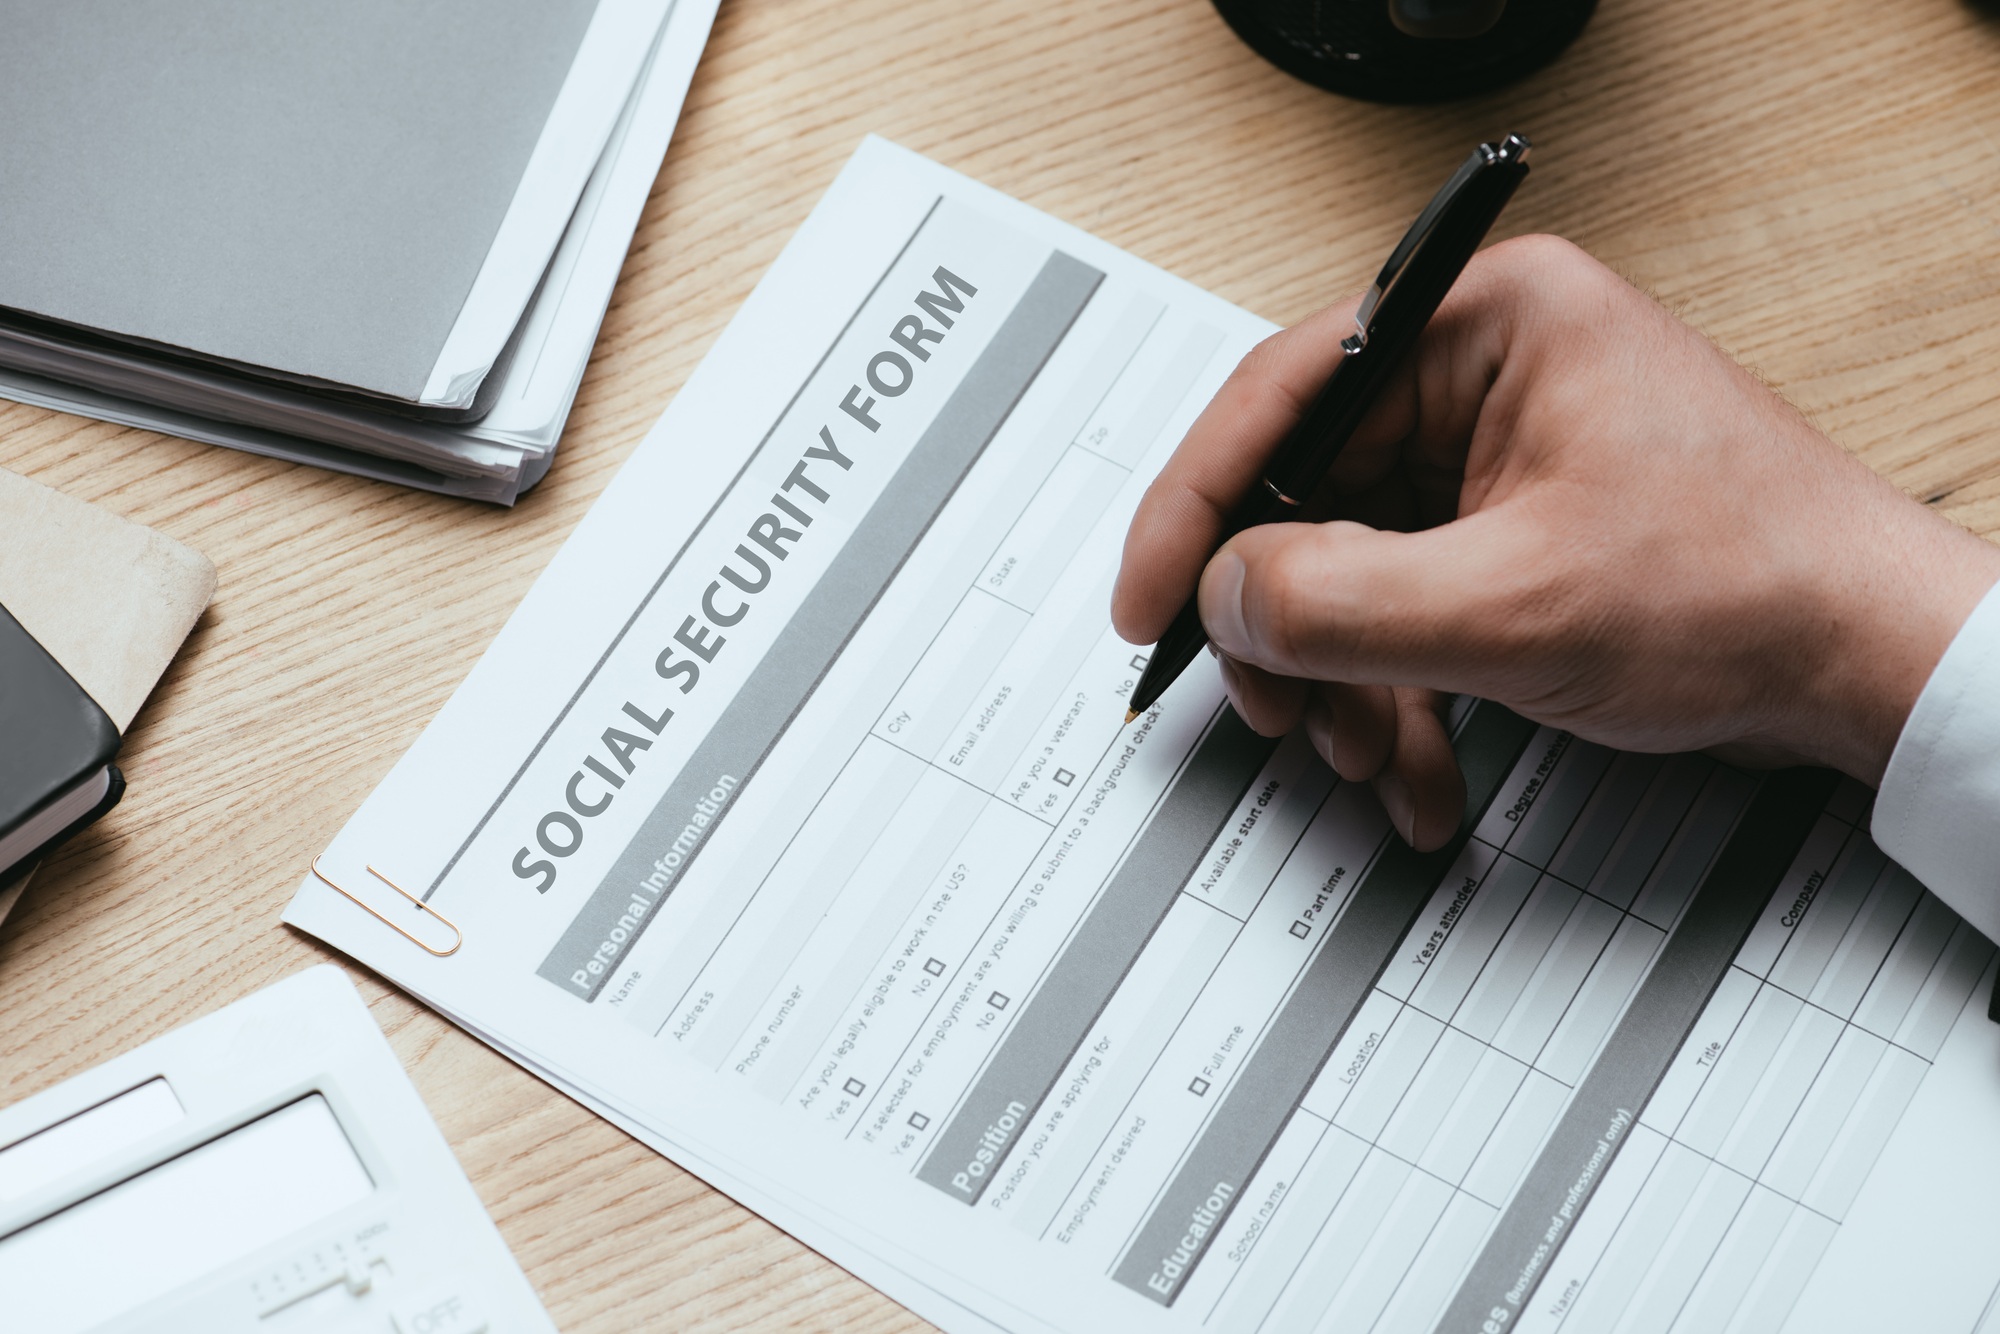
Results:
[1816, 183]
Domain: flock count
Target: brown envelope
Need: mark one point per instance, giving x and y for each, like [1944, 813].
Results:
[144, 592]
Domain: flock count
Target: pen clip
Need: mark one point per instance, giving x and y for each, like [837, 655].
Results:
[1512, 149]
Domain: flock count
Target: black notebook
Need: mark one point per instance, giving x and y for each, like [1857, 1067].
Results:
[56, 748]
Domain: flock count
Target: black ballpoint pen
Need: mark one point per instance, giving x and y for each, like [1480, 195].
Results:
[1408, 291]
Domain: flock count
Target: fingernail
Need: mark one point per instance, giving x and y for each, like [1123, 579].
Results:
[1222, 604]
[1400, 803]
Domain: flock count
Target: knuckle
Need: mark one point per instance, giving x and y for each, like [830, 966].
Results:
[1242, 395]
[1261, 364]
[1552, 272]
[1538, 604]
[1542, 255]
[1289, 365]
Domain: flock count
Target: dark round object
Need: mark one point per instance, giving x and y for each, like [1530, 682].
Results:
[1351, 47]
[1445, 18]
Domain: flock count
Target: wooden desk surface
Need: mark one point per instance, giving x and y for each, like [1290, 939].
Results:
[1816, 183]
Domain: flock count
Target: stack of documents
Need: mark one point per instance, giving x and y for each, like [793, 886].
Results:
[795, 827]
[370, 237]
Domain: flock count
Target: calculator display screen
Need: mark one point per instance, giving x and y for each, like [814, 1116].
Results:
[181, 1220]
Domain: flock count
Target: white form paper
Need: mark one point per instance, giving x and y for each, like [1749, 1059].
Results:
[791, 824]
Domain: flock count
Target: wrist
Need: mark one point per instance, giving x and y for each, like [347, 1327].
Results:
[1902, 607]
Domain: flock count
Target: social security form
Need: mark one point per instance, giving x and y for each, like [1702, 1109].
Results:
[790, 822]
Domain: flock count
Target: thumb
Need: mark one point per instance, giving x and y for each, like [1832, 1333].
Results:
[1345, 602]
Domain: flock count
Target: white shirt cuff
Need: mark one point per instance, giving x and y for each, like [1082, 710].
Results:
[1938, 812]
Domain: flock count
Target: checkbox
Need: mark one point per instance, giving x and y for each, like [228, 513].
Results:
[935, 967]
[998, 1000]
[1065, 777]
[1301, 930]
[1138, 662]
[854, 1088]
[1199, 1087]
[918, 1120]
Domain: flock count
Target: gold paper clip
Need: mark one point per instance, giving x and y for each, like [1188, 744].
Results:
[410, 936]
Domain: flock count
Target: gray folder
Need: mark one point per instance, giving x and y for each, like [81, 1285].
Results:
[301, 190]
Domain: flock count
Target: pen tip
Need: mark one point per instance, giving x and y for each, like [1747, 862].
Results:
[1131, 716]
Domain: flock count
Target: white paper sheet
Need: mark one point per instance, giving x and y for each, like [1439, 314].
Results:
[790, 823]
[594, 95]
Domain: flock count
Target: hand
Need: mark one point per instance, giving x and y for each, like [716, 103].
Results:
[1568, 502]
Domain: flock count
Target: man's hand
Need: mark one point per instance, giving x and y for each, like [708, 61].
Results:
[1571, 503]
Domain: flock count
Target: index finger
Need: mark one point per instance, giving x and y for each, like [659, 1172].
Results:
[1180, 519]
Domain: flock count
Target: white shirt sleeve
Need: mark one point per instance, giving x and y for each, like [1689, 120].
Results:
[1938, 812]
